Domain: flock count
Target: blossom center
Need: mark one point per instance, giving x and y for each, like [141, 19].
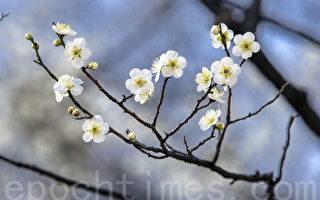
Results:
[63, 26]
[76, 52]
[172, 64]
[140, 82]
[225, 34]
[226, 72]
[95, 130]
[246, 45]
[211, 120]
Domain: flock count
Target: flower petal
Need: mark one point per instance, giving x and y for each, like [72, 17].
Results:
[99, 138]
[87, 137]
[77, 90]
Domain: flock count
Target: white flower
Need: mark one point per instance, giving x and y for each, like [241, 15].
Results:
[216, 37]
[203, 79]
[156, 68]
[67, 83]
[95, 129]
[63, 29]
[173, 64]
[225, 72]
[217, 95]
[76, 52]
[144, 95]
[210, 119]
[245, 45]
[140, 84]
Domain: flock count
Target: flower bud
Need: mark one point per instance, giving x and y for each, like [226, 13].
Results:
[57, 42]
[132, 136]
[35, 46]
[93, 65]
[220, 126]
[215, 30]
[75, 112]
[28, 36]
[71, 109]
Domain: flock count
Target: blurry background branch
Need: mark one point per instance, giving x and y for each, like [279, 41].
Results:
[61, 179]
[296, 97]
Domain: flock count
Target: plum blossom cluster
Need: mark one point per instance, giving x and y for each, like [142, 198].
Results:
[77, 53]
[140, 83]
[223, 72]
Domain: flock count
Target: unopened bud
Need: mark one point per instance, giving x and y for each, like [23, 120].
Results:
[132, 136]
[215, 30]
[35, 46]
[71, 109]
[93, 65]
[220, 126]
[28, 36]
[57, 42]
[76, 112]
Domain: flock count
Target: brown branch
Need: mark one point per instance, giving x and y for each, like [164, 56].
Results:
[219, 145]
[264, 106]
[160, 102]
[125, 98]
[186, 146]
[110, 97]
[194, 111]
[204, 141]
[62, 179]
[285, 149]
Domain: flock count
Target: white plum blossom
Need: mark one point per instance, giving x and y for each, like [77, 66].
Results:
[95, 129]
[210, 119]
[140, 84]
[172, 64]
[156, 68]
[216, 37]
[203, 79]
[76, 52]
[225, 72]
[67, 83]
[63, 29]
[217, 95]
[245, 45]
[144, 95]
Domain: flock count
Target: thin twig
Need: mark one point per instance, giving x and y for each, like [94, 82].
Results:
[285, 149]
[3, 15]
[125, 98]
[265, 105]
[194, 111]
[186, 146]
[219, 145]
[242, 62]
[160, 101]
[204, 141]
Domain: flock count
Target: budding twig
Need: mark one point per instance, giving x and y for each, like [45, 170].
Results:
[265, 105]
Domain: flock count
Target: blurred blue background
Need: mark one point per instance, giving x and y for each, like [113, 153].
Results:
[123, 34]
